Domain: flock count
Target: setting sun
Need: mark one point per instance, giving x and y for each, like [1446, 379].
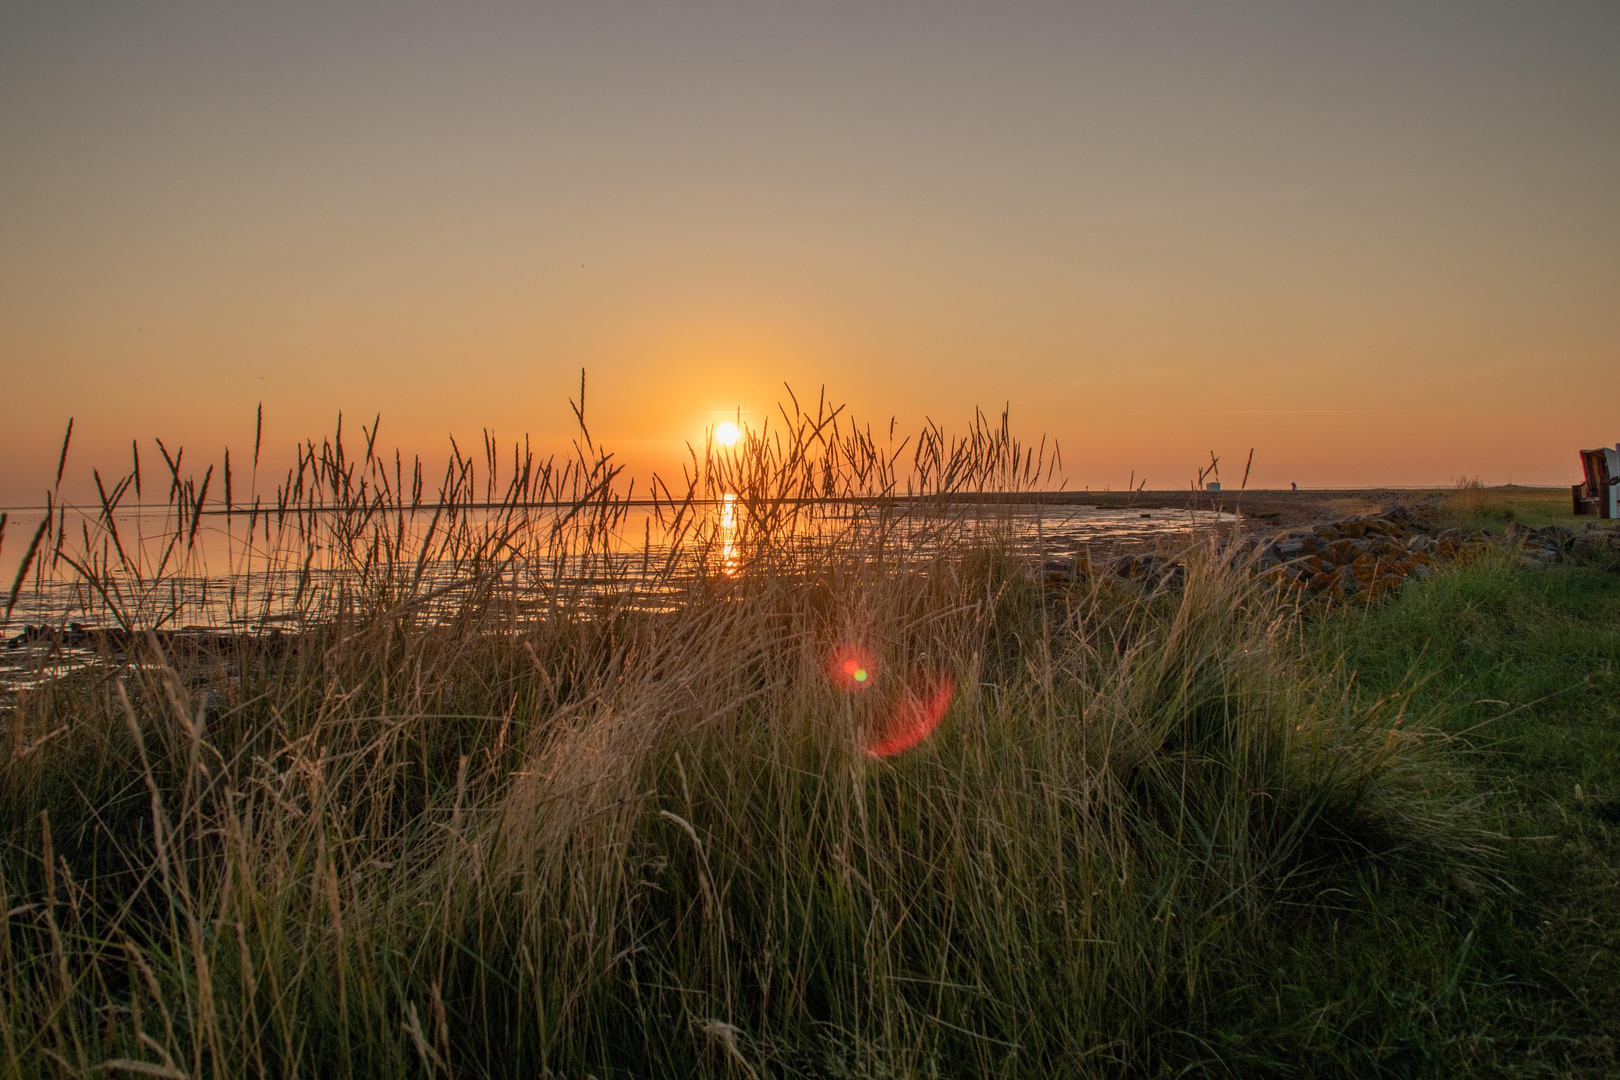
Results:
[727, 434]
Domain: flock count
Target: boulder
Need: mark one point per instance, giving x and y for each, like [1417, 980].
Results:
[1556, 537]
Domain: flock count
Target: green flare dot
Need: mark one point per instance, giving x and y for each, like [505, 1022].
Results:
[860, 674]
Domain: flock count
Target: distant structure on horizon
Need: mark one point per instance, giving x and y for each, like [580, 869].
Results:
[1599, 493]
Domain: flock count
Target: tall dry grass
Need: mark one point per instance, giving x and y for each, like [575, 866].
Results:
[1470, 504]
[519, 800]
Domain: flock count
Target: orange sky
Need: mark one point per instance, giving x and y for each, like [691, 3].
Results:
[1380, 246]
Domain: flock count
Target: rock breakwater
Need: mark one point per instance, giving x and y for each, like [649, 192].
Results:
[1358, 559]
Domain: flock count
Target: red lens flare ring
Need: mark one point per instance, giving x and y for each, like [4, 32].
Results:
[915, 716]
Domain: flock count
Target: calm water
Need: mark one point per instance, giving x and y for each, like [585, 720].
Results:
[228, 584]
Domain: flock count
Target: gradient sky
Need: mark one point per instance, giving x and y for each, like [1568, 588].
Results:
[1377, 242]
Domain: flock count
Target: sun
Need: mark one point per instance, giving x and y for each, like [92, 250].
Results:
[727, 434]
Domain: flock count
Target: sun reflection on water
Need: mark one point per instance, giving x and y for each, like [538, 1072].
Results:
[730, 560]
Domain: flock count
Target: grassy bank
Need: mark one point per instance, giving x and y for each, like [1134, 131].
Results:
[1518, 670]
[448, 830]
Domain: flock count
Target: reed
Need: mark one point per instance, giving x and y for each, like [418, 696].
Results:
[1470, 504]
[523, 797]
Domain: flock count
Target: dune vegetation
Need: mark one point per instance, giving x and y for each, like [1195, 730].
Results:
[514, 795]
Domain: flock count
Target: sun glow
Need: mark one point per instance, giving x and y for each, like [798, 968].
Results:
[727, 434]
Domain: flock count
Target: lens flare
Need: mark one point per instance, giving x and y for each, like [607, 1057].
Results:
[915, 717]
[852, 668]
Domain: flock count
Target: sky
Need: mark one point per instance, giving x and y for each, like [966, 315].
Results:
[1378, 243]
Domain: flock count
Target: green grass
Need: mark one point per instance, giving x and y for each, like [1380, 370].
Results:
[1451, 977]
[1471, 507]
